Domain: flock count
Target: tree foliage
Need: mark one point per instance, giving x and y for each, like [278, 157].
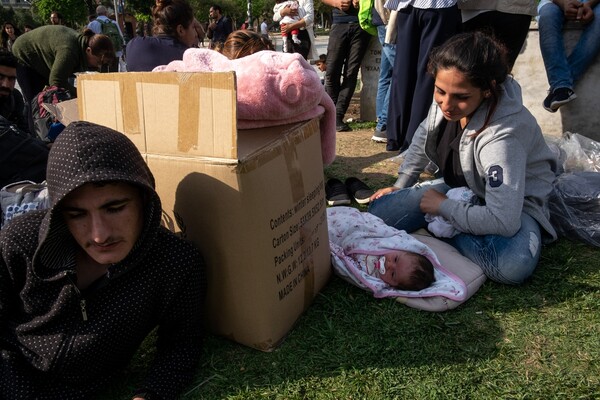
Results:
[18, 17]
[74, 12]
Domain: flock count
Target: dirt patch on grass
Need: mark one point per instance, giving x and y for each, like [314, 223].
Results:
[359, 156]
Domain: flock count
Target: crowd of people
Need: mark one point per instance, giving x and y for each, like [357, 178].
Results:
[83, 282]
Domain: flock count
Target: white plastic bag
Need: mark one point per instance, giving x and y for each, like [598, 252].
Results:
[578, 153]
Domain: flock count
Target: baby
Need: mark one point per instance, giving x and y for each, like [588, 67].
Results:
[293, 4]
[400, 269]
[371, 254]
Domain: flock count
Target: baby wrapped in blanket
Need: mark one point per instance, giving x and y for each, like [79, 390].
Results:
[384, 260]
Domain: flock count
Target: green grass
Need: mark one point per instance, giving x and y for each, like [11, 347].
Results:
[537, 341]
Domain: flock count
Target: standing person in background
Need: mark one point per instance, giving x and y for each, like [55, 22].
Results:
[219, 27]
[174, 32]
[51, 54]
[564, 71]
[381, 18]
[264, 29]
[56, 18]
[346, 48]
[27, 28]
[421, 25]
[507, 20]
[301, 20]
[10, 33]
[116, 35]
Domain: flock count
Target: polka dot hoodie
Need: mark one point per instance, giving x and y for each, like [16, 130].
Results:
[57, 342]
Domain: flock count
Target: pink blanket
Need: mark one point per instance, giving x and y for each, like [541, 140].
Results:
[273, 88]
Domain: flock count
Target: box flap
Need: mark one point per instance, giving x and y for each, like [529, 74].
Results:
[165, 113]
[65, 111]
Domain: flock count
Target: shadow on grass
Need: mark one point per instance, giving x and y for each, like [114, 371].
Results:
[375, 180]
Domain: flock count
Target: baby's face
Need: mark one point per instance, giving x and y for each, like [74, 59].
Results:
[399, 265]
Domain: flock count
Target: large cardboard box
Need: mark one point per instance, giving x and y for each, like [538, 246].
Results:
[252, 201]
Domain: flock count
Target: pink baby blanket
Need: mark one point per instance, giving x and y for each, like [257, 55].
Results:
[273, 88]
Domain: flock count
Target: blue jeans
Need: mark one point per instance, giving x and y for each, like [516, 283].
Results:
[388, 54]
[503, 259]
[563, 71]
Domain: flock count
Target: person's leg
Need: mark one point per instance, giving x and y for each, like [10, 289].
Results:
[31, 83]
[550, 25]
[304, 46]
[404, 76]
[358, 40]
[587, 47]
[508, 260]
[436, 25]
[385, 80]
[509, 29]
[337, 49]
[401, 209]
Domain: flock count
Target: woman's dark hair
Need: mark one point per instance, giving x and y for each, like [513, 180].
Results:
[168, 14]
[480, 58]
[4, 36]
[242, 43]
[101, 46]
[422, 276]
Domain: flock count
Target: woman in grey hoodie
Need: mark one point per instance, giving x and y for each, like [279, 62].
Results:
[479, 135]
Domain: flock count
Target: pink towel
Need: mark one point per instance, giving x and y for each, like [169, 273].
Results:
[273, 88]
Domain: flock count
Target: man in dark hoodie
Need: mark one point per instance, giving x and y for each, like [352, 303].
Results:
[84, 282]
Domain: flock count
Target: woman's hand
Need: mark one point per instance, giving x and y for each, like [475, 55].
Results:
[431, 201]
[383, 192]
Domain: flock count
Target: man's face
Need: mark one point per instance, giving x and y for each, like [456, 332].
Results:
[54, 20]
[214, 14]
[8, 76]
[105, 221]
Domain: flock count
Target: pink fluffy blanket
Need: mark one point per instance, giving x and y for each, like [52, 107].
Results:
[273, 88]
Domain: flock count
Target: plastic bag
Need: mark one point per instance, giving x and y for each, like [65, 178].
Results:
[577, 153]
[575, 206]
[21, 197]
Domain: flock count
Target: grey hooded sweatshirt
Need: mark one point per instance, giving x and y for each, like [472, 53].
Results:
[57, 342]
[508, 166]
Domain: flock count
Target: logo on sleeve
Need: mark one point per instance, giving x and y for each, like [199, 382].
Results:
[495, 176]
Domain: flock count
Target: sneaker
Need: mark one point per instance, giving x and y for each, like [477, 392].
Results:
[379, 136]
[336, 193]
[558, 97]
[359, 190]
[343, 127]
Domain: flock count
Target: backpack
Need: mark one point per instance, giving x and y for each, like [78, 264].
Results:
[44, 124]
[365, 17]
[111, 30]
[22, 157]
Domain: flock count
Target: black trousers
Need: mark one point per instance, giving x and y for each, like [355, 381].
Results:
[419, 31]
[509, 29]
[303, 48]
[346, 48]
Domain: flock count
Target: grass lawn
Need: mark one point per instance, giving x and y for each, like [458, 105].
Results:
[537, 341]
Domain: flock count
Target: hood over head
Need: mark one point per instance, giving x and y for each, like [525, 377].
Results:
[85, 153]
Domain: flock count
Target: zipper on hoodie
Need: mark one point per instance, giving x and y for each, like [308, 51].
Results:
[82, 305]
[82, 302]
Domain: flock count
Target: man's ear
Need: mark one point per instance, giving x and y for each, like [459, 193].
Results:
[88, 51]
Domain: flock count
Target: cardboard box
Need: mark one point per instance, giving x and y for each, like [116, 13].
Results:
[252, 201]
